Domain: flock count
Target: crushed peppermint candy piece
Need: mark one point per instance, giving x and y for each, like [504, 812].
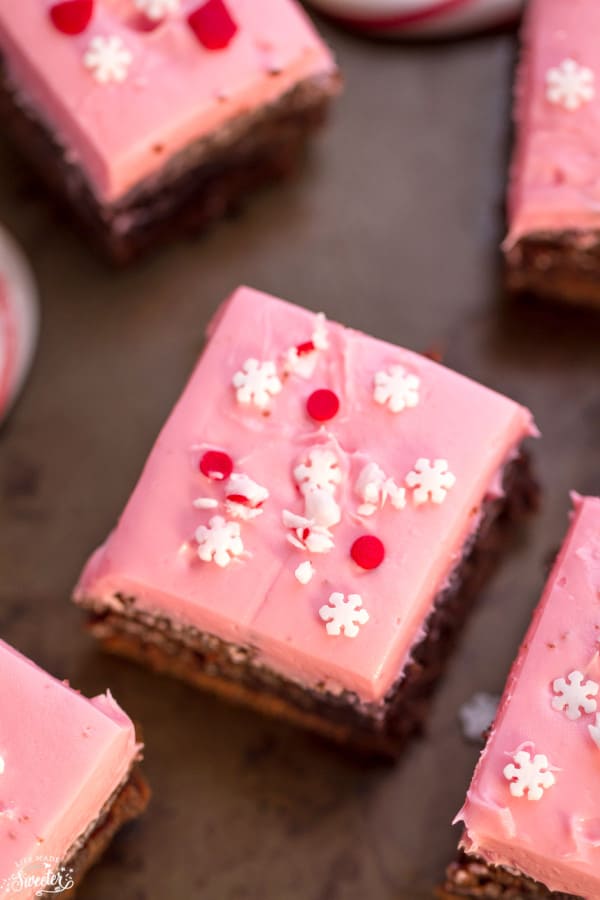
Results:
[72, 16]
[213, 25]
[219, 542]
[574, 695]
[321, 508]
[216, 465]
[320, 469]
[570, 85]
[396, 388]
[313, 538]
[244, 497]
[302, 359]
[205, 503]
[323, 405]
[368, 552]
[304, 572]
[155, 10]
[108, 59]
[430, 481]
[344, 615]
[529, 776]
[374, 488]
[594, 731]
[256, 383]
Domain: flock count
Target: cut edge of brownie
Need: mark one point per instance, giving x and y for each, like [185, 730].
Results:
[561, 266]
[471, 877]
[127, 803]
[195, 187]
[375, 729]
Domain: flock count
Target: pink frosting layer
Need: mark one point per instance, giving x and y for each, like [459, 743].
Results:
[555, 183]
[555, 839]
[257, 601]
[62, 756]
[175, 92]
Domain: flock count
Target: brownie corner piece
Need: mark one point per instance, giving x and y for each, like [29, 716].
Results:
[151, 131]
[473, 879]
[312, 526]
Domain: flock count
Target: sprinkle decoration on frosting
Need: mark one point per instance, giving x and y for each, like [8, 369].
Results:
[574, 695]
[256, 383]
[316, 477]
[302, 359]
[374, 489]
[304, 572]
[368, 552]
[156, 10]
[72, 16]
[323, 405]
[108, 59]
[216, 465]
[244, 497]
[320, 469]
[594, 731]
[344, 616]
[430, 481]
[397, 389]
[213, 25]
[2, 765]
[529, 776]
[570, 85]
[219, 542]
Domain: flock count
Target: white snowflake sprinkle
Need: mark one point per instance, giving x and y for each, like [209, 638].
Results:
[396, 388]
[574, 695]
[304, 572]
[156, 10]
[343, 615]
[570, 85]
[219, 542]
[594, 731]
[108, 59]
[256, 383]
[430, 481]
[374, 489]
[529, 776]
[477, 714]
[321, 469]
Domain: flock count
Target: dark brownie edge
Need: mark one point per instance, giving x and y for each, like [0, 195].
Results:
[558, 266]
[129, 802]
[380, 729]
[199, 185]
[471, 877]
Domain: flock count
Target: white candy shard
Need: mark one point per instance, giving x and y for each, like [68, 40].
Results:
[304, 572]
[205, 503]
[594, 731]
[374, 488]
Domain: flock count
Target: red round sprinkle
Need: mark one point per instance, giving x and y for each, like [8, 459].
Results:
[305, 348]
[216, 465]
[72, 16]
[213, 25]
[322, 405]
[367, 551]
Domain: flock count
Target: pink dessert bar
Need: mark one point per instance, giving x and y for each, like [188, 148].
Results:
[150, 115]
[311, 523]
[531, 819]
[68, 778]
[553, 243]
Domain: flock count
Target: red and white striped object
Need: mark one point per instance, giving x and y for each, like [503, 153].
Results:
[18, 320]
[421, 18]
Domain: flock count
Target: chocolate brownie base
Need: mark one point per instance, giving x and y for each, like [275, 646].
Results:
[129, 802]
[563, 267]
[471, 877]
[233, 672]
[200, 184]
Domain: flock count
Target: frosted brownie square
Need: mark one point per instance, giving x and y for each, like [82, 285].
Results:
[311, 524]
[68, 778]
[150, 116]
[553, 243]
[531, 819]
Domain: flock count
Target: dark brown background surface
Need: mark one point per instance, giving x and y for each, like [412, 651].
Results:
[393, 228]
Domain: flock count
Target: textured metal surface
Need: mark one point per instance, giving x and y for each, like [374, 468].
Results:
[393, 227]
